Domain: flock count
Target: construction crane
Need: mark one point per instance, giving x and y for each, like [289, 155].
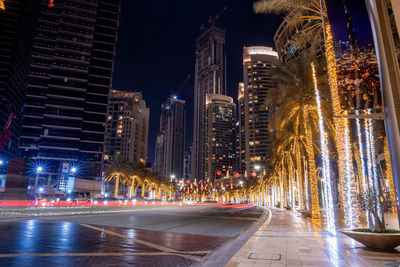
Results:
[213, 20]
[5, 134]
[174, 94]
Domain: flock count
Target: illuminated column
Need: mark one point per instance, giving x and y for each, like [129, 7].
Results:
[390, 80]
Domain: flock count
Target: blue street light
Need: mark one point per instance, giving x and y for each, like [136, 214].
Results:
[74, 169]
[1, 162]
[39, 169]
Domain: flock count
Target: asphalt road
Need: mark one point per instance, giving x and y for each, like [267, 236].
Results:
[170, 236]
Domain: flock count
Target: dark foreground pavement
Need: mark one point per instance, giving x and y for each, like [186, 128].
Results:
[165, 237]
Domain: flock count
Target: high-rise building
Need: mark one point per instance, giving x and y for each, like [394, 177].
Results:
[169, 159]
[210, 78]
[15, 32]
[186, 166]
[257, 60]
[220, 142]
[127, 127]
[241, 134]
[70, 75]
[159, 154]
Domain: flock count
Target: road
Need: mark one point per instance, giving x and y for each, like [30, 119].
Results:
[169, 236]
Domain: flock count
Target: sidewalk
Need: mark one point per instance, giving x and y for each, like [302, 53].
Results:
[287, 239]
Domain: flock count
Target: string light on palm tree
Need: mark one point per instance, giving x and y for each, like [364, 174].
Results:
[327, 181]
[312, 15]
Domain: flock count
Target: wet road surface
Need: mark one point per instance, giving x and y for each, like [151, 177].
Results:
[167, 237]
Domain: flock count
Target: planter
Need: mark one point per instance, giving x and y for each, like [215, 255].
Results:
[385, 241]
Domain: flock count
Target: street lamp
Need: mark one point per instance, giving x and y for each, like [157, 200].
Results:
[39, 169]
[74, 169]
[1, 162]
[172, 177]
[257, 167]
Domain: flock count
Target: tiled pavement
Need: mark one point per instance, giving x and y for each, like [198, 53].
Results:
[287, 239]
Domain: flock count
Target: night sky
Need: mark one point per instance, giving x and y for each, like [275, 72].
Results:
[156, 46]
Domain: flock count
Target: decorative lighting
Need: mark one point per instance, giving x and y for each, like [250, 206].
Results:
[325, 160]
[2, 6]
[39, 169]
[51, 3]
[346, 168]
[362, 165]
[389, 176]
[315, 213]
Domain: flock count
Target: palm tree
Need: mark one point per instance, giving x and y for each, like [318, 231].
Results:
[311, 17]
[295, 96]
[117, 170]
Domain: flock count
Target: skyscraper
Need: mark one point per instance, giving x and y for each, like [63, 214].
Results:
[220, 142]
[169, 157]
[127, 127]
[241, 134]
[210, 78]
[257, 105]
[15, 32]
[69, 80]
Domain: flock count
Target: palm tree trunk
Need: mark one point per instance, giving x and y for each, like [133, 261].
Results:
[116, 186]
[315, 213]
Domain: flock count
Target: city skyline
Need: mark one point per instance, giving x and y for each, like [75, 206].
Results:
[181, 33]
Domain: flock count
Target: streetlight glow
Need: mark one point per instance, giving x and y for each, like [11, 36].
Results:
[74, 169]
[39, 169]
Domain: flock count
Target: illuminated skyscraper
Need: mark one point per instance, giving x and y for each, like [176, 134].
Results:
[127, 127]
[210, 78]
[241, 134]
[220, 142]
[257, 105]
[170, 147]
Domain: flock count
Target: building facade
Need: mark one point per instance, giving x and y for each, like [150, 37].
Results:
[210, 78]
[241, 134]
[170, 147]
[69, 79]
[127, 127]
[257, 60]
[15, 32]
[221, 138]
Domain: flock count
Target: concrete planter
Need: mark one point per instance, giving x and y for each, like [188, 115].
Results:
[385, 241]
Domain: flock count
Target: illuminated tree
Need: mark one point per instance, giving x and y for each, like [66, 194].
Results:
[116, 171]
[311, 17]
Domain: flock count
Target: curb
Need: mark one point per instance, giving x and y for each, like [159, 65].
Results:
[225, 253]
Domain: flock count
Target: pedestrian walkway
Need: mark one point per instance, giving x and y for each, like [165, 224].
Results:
[288, 239]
